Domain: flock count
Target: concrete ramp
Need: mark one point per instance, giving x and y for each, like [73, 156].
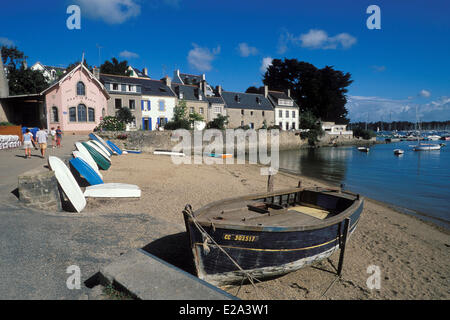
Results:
[149, 278]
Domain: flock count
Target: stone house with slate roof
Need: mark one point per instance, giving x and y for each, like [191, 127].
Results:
[150, 101]
[195, 98]
[248, 109]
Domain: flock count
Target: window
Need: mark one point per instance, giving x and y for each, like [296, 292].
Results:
[285, 102]
[162, 122]
[217, 109]
[280, 124]
[118, 103]
[263, 113]
[251, 113]
[103, 112]
[81, 112]
[280, 114]
[54, 115]
[191, 110]
[181, 95]
[242, 123]
[242, 111]
[72, 114]
[201, 110]
[287, 125]
[293, 125]
[131, 88]
[252, 125]
[81, 90]
[293, 114]
[162, 106]
[115, 87]
[132, 104]
[237, 98]
[91, 114]
[287, 114]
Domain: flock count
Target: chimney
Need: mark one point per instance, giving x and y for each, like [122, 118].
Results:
[168, 81]
[96, 72]
[266, 91]
[203, 77]
[145, 71]
[219, 90]
[289, 92]
[4, 88]
[203, 86]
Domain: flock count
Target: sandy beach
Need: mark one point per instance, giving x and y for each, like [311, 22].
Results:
[412, 256]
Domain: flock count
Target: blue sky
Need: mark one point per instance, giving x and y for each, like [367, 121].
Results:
[403, 65]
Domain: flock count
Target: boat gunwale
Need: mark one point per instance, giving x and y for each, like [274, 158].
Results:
[357, 202]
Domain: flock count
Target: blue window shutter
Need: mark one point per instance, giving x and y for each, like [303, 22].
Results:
[157, 120]
[149, 121]
[148, 104]
[143, 123]
[165, 121]
[142, 104]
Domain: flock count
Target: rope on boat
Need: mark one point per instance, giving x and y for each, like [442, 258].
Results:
[188, 210]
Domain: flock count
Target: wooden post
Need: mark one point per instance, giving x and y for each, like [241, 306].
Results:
[342, 245]
[270, 179]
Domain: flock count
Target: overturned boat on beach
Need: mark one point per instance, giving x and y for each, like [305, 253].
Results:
[270, 234]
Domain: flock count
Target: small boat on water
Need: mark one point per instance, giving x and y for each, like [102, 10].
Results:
[434, 137]
[426, 147]
[363, 149]
[445, 138]
[398, 151]
[269, 234]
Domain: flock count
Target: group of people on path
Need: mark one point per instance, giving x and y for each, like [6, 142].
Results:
[29, 141]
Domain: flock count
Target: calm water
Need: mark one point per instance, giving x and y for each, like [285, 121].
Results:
[418, 181]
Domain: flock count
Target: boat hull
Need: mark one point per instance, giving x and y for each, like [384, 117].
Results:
[263, 254]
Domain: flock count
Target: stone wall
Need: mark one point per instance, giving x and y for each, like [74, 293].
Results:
[148, 141]
[38, 188]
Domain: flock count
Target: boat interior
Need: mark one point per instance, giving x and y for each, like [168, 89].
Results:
[299, 208]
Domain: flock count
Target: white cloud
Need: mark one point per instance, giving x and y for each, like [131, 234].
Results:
[245, 50]
[266, 62]
[315, 39]
[172, 3]
[201, 58]
[6, 42]
[110, 11]
[425, 93]
[378, 68]
[396, 109]
[128, 54]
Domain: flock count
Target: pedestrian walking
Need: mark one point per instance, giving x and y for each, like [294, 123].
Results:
[41, 137]
[53, 136]
[27, 140]
[58, 137]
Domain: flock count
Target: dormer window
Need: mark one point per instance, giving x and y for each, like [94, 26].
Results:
[237, 98]
[181, 95]
[258, 100]
[115, 86]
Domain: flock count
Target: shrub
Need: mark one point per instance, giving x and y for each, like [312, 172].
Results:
[218, 123]
[178, 124]
[110, 123]
[365, 134]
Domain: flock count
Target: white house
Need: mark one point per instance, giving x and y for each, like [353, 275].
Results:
[50, 73]
[286, 111]
[157, 103]
[335, 129]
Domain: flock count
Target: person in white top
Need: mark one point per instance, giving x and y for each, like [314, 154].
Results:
[53, 136]
[41, 137]
[27, 139]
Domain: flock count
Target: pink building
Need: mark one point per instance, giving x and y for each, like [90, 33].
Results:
[77, 102]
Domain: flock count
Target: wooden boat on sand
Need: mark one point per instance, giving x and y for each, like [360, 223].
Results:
[269, 234]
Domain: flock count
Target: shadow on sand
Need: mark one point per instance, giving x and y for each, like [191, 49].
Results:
[174, 249]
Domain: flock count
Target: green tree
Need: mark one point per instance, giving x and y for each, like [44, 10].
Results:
[21, 80]
[71, 66]
[179, 112]
[309, 121]
[179, 120]
[220, 122]
[124, 115]
[194, 116]
[115, 67]
[321, 91]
